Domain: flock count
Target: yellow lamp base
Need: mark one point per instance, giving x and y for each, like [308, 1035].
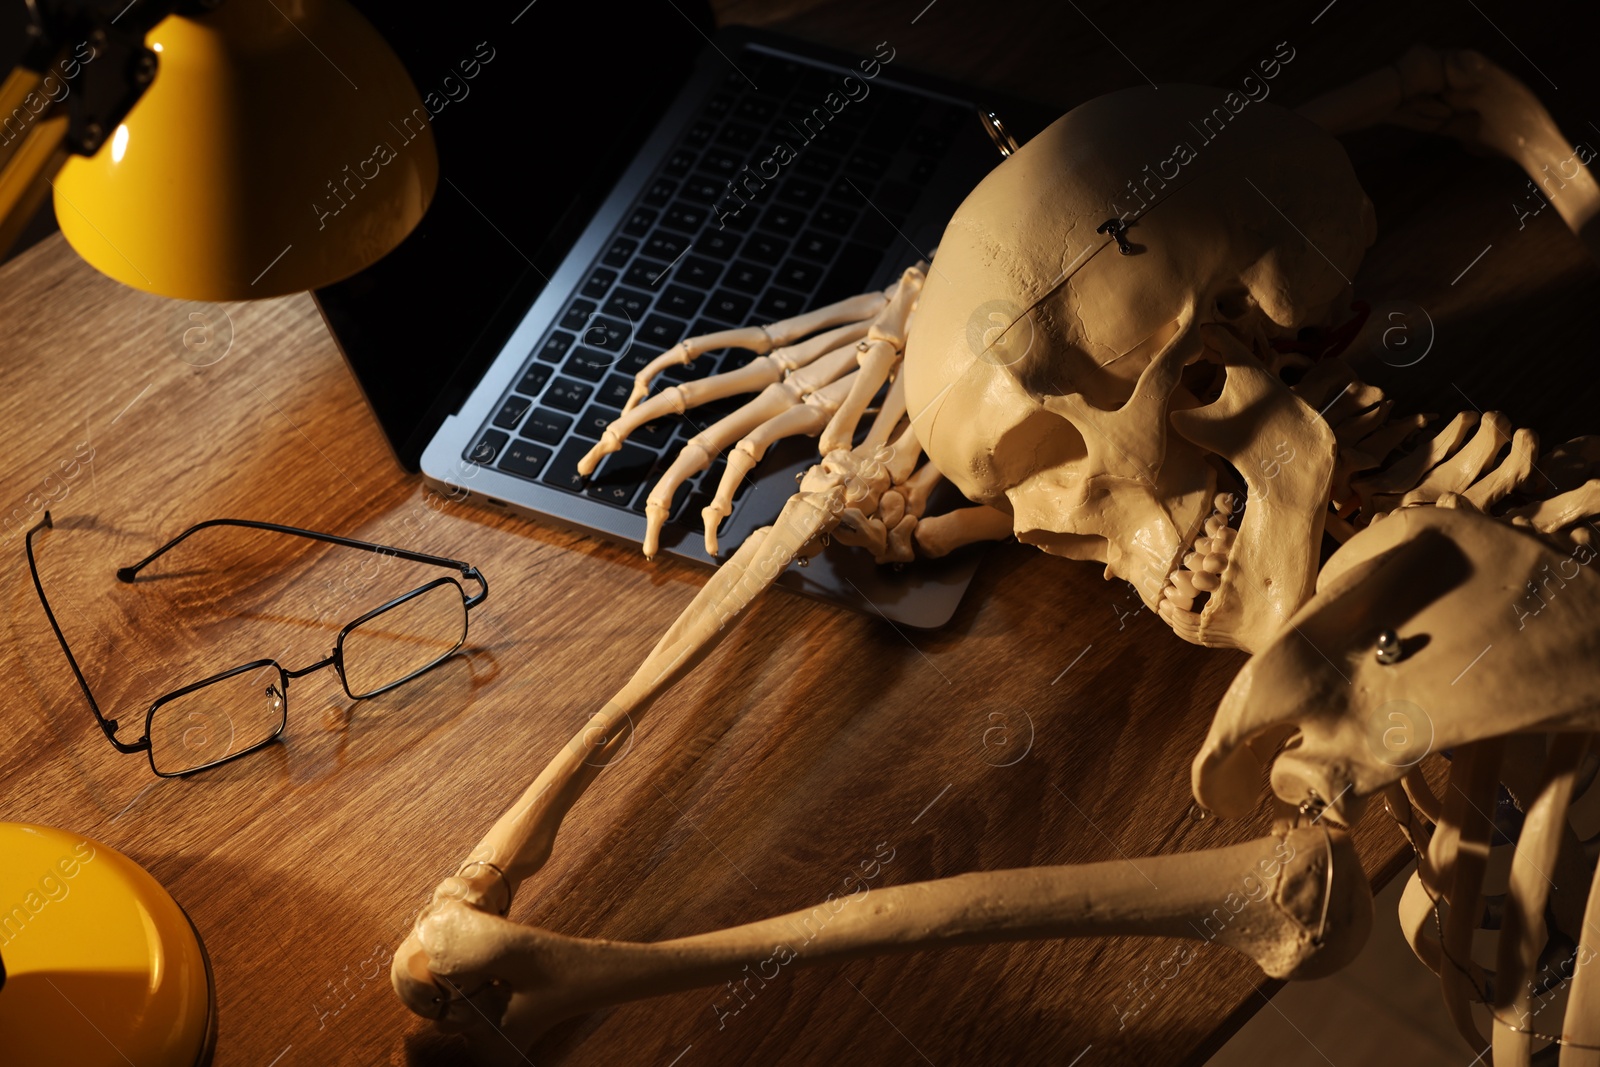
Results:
[102, 965]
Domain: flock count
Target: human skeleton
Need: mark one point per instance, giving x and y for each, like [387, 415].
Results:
[1119, 389]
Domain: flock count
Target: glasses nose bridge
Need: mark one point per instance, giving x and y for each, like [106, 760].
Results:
[331, 660]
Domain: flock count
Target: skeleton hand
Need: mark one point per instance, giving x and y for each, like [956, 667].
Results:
[810, 385]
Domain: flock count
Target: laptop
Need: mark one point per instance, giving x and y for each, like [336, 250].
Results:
[609, 184]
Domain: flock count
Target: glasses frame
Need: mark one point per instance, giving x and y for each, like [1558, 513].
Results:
[334, 659]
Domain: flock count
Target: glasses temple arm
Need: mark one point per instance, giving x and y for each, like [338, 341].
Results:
[127, 574]
[107, 725]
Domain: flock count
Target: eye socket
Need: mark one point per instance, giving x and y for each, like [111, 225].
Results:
[1234, 304]
[1388, 649]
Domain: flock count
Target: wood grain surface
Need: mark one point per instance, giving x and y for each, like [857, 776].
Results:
[1049, 723]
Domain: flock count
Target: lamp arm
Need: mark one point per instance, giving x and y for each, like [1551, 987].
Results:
[84, 68]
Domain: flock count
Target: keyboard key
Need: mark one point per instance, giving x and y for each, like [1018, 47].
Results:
[593, 422]
[732, 214]
[659, 333]
[799, 275]
[634, 360]
[488, 447]
[568, 395]
[655, 433]
[679, 163]
[628, 303]
[618, 251]
[660, 192]
[728, 307]
[562, 472]
[852, 190]
[834, 218]
[781, 218]
[747, 277]
[800, 192]
[599, 284]
[719, 243]
[679, 373]
[524, 458]
[699, 135]
[639, 222]
[821, 166]
[511, 412]
[720, 163]
[817, 246]
[756, 109]
[533, 380]
[680, 301]
[547, 426]
[686, 217]
[607, 334]
[666, 246]
[765, 248]
[703, 190]
[590, 364]
[615, 392]
[698, 272]
[719, 105]
[866, 161]
[621, 475]
[644, 273]
[555, 346]
[739, 136]
[780, 304]
[578, 314]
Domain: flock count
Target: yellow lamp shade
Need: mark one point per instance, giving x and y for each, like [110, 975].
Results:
[281, 147]
[102, 966]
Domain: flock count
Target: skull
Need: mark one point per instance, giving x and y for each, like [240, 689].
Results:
[1103, 399]
[1453, 587]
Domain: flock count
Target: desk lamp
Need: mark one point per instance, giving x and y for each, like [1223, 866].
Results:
[201, 151]
[215, 150]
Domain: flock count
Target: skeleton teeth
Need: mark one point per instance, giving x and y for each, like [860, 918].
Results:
[1182, 621]
[1181, 582]
[1202, 567]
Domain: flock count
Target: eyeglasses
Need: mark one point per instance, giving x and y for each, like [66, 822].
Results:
[245, 708]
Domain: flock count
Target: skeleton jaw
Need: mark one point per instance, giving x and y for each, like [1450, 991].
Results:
[1285, 454]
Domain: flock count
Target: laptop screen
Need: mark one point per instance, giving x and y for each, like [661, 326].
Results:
[535, 115]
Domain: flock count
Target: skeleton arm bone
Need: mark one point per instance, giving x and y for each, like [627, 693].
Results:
[1298, 905]
[1463, 95]
[520, 841]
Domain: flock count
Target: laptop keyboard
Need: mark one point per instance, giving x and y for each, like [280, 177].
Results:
[813, 235]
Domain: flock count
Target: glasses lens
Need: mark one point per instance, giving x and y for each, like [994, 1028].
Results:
[220, 719]
[404, 640]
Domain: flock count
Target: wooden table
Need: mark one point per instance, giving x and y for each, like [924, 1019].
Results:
[1049, 723]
